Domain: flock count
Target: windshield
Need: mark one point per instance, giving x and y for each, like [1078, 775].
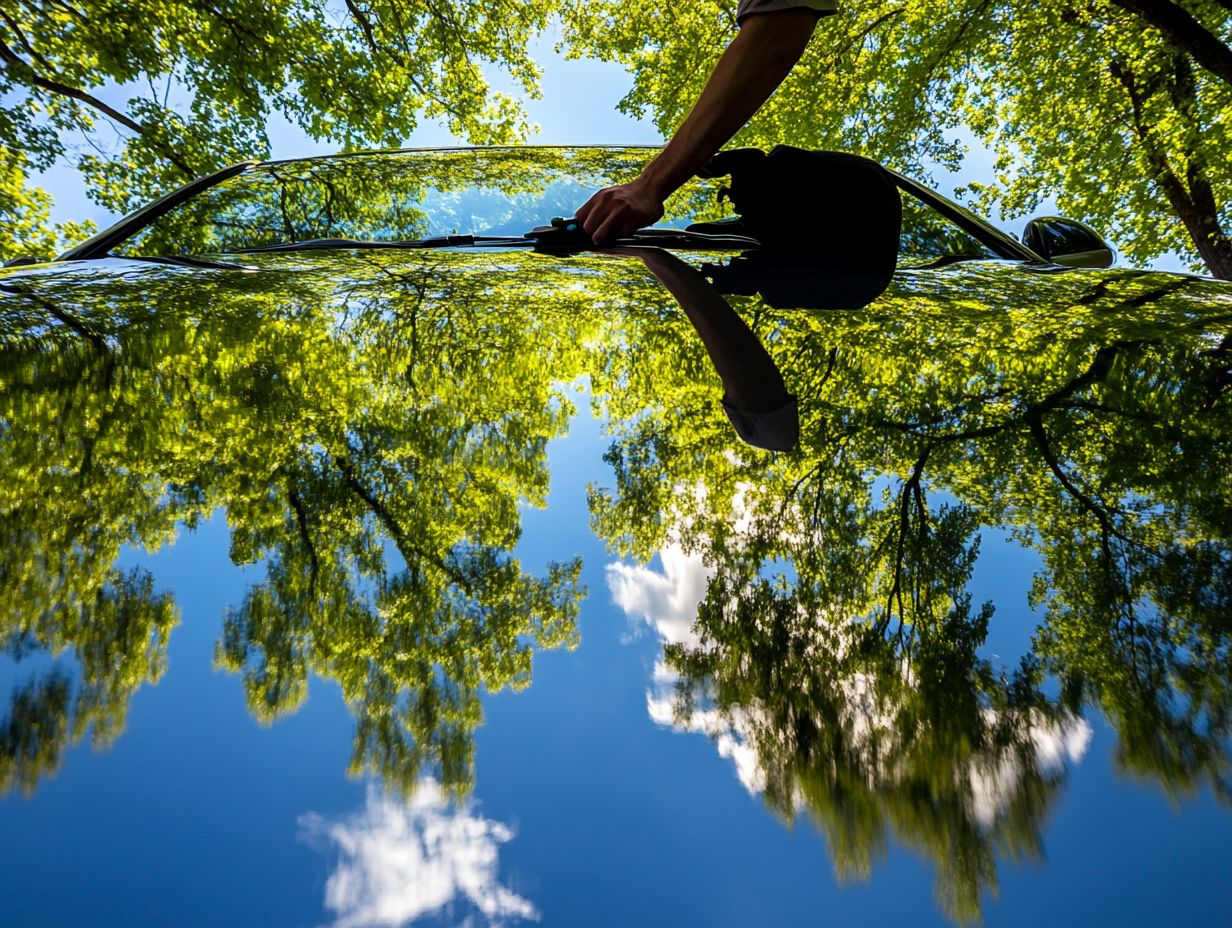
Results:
[928, 236]
[405, 196]
[401, 196]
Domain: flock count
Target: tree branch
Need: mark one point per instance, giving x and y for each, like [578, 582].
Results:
[24, 72]
[401, 542]
[1194, 205]
[904, 514]
[365, 25]
[305, 537]
[1185, 33]
[25, 42]
[22, 69]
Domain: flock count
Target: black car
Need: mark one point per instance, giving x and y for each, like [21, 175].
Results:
[396, 196]
[943, 569]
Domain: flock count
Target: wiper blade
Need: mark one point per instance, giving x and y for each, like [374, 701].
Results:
[567, 238]
[683, 238]
[184, 261]
[435, 241]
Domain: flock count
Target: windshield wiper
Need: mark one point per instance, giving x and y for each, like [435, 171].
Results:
[435, 241]
[185, 261]
[663, 238]
[565, 237]
[683, 238]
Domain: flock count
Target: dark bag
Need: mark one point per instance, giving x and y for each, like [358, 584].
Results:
[833, 214]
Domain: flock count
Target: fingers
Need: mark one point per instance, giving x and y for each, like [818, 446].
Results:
[608, 230]
[617, 211]
[587, 208]
[593, 212]
[610, 218]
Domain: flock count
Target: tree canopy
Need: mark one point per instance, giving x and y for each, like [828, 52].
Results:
[837, 638]
[1129, 135]
[201, 80]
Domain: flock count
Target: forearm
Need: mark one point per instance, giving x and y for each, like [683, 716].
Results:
[768, 46]
[748, 72]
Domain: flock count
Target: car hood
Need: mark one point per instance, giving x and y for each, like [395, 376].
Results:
[379, 429]
[938, 321]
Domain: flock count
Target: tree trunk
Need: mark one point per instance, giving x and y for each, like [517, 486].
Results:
[1191, 197]
[1196, 208]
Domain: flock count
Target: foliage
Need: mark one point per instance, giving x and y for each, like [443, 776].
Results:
[837, 638]
[203, 81]
[1130, 134]
[25, 213]
[120, 638]
[371, 436]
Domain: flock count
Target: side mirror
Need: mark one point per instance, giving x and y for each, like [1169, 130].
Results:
[1068, 242]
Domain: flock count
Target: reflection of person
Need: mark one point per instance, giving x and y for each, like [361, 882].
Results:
[773, 35]
[754, 396]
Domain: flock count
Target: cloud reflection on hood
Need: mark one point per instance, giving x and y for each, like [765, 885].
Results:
[398, 862]
[668, 601]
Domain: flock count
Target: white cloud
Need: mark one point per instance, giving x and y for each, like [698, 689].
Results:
[667, 601]
[728, 738]
[401, 861]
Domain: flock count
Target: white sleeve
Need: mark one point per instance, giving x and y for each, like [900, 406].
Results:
[772, 429]
[749, 7]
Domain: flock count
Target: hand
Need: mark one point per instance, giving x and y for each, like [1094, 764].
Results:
[617, 211]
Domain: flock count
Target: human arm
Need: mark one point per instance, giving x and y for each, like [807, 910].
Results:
[748, 72]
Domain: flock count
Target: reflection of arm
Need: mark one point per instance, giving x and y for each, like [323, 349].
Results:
[750, 379]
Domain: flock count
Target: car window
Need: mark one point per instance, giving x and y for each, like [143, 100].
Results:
[927, 236]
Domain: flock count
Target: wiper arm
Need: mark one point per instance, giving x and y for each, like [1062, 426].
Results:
[683, 238]
[663, 238]
[435, 241]
[566, 237]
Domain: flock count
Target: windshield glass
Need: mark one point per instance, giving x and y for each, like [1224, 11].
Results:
[400, 196]
[404, 196]
[927, 236]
